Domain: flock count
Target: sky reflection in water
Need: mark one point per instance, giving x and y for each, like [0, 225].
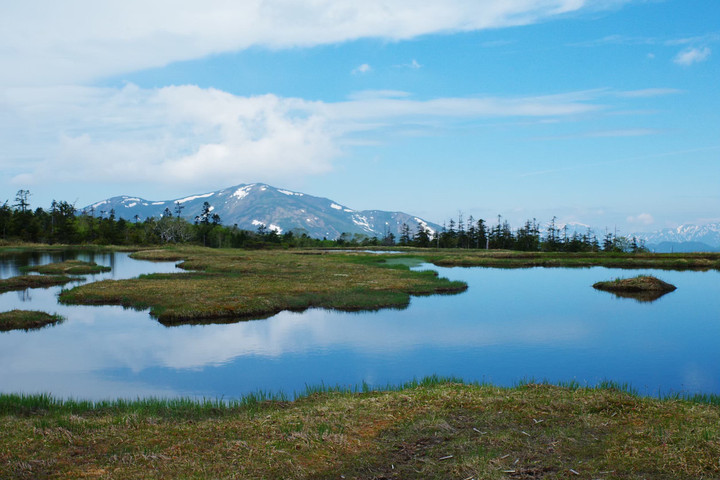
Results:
[510, 325]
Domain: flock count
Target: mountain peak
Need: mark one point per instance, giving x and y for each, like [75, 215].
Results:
[250, 205]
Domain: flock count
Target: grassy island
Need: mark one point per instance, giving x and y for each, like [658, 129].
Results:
[518, 259]
[426, 430]
[22, 282]
[233, 284]
[643, 288]
[68, 267]
[641, 283]
[26, 320]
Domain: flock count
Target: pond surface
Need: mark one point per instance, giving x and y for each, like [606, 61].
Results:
[509, 326]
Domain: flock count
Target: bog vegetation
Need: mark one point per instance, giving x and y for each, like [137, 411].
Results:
[430, 429]
[63, 224]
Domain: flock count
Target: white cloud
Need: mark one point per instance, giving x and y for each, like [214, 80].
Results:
[692, 55]
[413, 65]
[364, 68]
[175, 134]
[75, 41]
[197, 136]
[641, 219]
[648, 92]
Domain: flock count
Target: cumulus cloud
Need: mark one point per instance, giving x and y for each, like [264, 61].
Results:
[641, 219]
[692, 55]
[75, 41]
[192, 135]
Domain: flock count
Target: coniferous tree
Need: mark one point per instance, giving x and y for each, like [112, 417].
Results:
[404, 235]
[422, 239]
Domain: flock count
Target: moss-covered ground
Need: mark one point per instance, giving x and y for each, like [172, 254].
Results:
[427, 430]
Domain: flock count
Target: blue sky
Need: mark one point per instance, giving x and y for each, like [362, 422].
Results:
[605, 113]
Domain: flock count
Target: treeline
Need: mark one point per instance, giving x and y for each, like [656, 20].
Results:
[63, 224]
[472, 234]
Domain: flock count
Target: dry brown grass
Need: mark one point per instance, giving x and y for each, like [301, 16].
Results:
[430, 431]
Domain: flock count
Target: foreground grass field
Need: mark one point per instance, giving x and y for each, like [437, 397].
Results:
[431, 430]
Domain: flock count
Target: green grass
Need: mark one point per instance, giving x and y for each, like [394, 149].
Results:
[23, 282]
[236, 284]
[68, 267]
[643, 288]
[26, 320]
[513, 259]
[640, 283]
[432, 428]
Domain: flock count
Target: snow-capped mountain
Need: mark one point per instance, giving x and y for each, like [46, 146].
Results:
[249, 206]
[684, 238]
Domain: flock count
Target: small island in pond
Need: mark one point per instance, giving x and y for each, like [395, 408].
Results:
[644, 288]
[23, 282]
[68, 267]
[26, 320]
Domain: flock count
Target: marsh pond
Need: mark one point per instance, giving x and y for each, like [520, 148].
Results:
[511, 325]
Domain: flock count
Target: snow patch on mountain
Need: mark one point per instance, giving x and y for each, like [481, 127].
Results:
[195, 197]
[242, 192]
[424, 225]
[336, 206]
[288, 192]
[362, 222]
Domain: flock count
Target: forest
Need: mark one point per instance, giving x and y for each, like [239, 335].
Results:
[62, 223]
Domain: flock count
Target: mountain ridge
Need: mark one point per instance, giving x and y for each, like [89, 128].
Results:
[251, 205]
[683, 238]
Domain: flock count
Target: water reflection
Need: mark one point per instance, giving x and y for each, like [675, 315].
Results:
[510, 325]
[647, 297]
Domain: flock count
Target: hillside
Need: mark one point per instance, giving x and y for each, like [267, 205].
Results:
[250, 205]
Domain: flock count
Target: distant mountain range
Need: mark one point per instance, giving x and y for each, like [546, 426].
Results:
[685, 238]
[250, 205]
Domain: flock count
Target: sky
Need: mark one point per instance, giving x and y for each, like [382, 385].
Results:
[599, 112]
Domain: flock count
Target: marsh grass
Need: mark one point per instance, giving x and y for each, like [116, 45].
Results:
[68, 267]
[514, 259]
[22, 282]
[233, 284]
[26, 320]
[643, 288]
[430, 428]
[640, 283]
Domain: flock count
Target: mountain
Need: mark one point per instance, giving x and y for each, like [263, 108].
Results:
[249, 206]
[685, 238]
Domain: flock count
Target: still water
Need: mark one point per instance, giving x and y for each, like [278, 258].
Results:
[509, 326]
